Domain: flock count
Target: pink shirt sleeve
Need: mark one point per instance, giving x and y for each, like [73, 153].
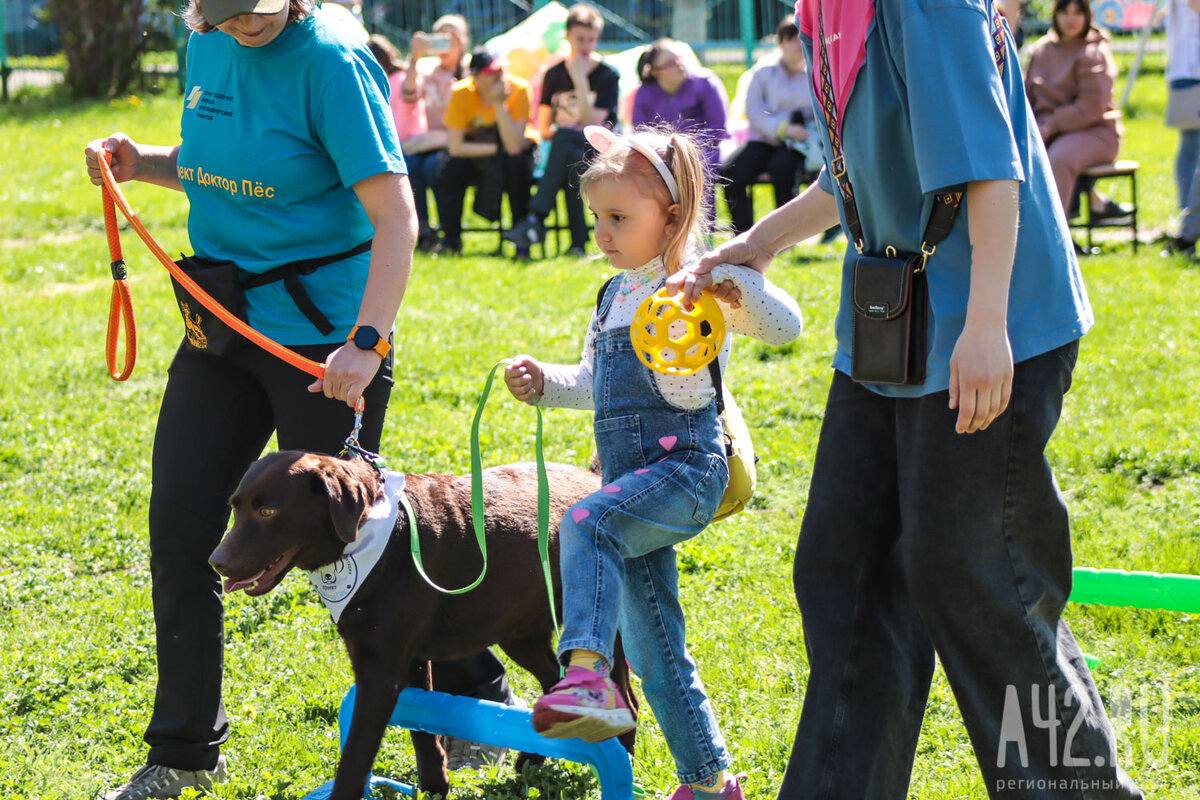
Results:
[410, 117]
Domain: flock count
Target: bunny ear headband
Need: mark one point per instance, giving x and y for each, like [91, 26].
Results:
[603, 140]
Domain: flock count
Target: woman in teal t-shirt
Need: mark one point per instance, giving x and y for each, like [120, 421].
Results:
[288, 153]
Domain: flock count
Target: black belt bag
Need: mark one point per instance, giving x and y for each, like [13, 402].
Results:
[891, 301]
[227, 284]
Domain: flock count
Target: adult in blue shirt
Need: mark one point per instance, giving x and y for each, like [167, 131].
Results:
[288, 153]
[934, 526]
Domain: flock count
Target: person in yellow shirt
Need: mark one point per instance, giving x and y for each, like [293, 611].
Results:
[489, 144]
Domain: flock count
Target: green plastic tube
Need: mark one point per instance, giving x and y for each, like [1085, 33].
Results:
[1115, 587]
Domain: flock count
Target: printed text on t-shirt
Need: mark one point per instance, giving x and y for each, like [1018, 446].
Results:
[245, 186]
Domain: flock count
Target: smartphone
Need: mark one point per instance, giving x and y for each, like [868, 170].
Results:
[439, 42]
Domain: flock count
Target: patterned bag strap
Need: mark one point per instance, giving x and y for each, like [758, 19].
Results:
[946, 203]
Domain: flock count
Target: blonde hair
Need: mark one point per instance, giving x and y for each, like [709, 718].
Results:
[194, 17]
[456, 23]
[682, 155]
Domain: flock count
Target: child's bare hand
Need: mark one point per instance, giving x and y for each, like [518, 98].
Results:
[523, 377]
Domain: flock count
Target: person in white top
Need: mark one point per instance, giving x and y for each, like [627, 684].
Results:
[1183, 103]
[662, 456]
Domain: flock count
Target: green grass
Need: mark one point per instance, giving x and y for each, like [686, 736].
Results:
[76, 635]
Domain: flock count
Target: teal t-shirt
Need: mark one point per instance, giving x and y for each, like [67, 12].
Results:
[929, 109]
[274, 139]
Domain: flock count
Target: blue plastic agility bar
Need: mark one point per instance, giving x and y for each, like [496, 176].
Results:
[495, 724]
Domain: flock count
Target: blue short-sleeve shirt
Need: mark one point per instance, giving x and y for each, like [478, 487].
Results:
[274, 139]
[929, 109]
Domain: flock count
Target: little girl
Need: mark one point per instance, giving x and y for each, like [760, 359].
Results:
[662, 455]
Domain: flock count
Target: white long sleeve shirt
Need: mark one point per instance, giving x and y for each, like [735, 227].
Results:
[767, 313]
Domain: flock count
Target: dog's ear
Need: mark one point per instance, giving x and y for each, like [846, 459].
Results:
[348, 497]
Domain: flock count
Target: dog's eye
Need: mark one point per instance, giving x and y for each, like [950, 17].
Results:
[266, 512]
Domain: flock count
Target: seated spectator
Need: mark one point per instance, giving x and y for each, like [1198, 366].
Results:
[681, 96]
[488, 146]
[778, 107]
[411, 125]
[1069, 82]
[426, 91]
[579, 91]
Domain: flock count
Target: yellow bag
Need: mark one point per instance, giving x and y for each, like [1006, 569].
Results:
[739, 452]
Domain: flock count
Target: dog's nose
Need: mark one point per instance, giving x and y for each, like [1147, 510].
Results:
[218, 561]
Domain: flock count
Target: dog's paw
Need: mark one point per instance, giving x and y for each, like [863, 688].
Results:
[533, 759]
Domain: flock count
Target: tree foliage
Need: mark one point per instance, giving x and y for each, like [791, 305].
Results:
[103, 42]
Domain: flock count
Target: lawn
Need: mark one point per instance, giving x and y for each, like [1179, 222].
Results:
[76, 634]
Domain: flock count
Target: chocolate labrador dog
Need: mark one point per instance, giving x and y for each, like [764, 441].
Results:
[295, 509]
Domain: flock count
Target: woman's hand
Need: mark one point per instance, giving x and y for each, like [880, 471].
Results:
[419, 47]
[981, 376]
[524, 379]
[125, 158]
[348, 371]
[694, 279]
[740, 250]
[796, 132]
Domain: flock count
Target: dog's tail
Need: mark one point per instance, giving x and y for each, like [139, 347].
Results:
[594, 464]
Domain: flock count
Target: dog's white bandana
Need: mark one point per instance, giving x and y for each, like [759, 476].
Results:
[337, 582]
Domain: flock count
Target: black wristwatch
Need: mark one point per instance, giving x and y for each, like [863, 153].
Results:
[367, 338]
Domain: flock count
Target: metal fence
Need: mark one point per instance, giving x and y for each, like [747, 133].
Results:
[708, 25]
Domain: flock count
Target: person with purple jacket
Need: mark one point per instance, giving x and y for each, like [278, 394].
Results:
[681, 97]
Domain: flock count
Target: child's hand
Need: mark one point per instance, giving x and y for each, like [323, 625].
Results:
[523, 377]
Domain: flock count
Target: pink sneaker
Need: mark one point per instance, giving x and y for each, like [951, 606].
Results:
[584, 704]
[732, 791]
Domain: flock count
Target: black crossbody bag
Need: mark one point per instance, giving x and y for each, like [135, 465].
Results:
[226, 283]
[889, 292]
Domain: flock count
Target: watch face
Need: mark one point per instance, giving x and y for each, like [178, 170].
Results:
[366, 337]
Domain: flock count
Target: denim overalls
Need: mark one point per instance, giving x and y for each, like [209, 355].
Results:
[664, 474]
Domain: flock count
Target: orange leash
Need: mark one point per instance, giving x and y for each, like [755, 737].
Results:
[122, 302]
[120, 307]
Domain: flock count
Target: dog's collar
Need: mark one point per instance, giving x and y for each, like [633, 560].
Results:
[337, 582]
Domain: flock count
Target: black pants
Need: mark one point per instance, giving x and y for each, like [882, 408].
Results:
[501, 172]
[918, 541]
[743, 168]
[217, 414]
[566, 162]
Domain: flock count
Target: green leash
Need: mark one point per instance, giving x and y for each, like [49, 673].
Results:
[477, 512]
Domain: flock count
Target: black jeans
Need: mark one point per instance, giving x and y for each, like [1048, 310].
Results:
[919, 541]
[742, 170]
[502, 172]
[217, 414]
[565, 163]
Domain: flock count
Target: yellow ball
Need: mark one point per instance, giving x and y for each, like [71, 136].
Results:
[671, 340]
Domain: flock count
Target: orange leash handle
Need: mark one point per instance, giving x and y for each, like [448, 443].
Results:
[113, 195]
[120, 306]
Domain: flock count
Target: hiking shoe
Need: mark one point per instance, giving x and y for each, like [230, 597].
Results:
[448, 247]
[527, 232]
[584, 704]
[1178, 244]
[1110, 209]
[159, 782]
[428, 241]
[461, 754]
[732, 791]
